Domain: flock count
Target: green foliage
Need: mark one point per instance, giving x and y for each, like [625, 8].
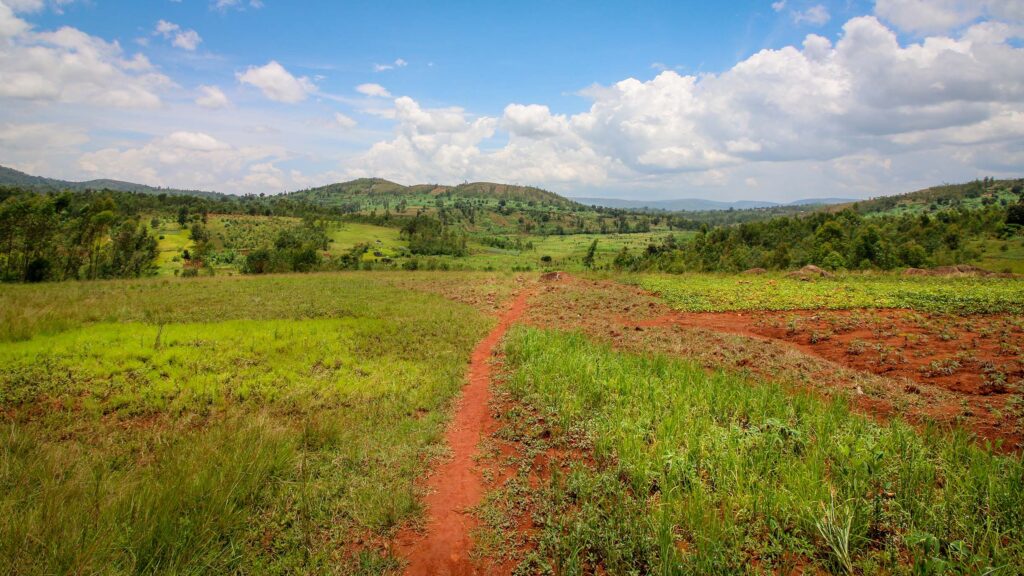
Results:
[697, 473]
[716, 293]
[832, 240]
[246, 425]
[428, 236]
[71, 236]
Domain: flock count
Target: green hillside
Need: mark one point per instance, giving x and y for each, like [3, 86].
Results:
[975, 194]
[12, 177]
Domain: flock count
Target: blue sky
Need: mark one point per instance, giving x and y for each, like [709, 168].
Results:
[730, 100]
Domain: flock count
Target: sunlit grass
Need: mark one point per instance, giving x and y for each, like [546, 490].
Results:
[698, 474]
[258, 425]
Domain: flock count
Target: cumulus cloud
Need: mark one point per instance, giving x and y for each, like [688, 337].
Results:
[180, 159]
[276, 83]
[184, 39]
[37, 5]
[940, 16]
[68, 65]
[865, 97]
[212, 97]
[373, 90]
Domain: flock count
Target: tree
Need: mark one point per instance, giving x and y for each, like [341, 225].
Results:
[588, 260]
[182, 216]
[1015, 214]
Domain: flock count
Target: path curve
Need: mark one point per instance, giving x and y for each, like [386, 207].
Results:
[456, 486]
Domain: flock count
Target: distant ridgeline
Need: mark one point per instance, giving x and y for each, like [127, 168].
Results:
[58, 230]
[938, 226]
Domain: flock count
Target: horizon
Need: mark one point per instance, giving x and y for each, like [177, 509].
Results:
[751, 101]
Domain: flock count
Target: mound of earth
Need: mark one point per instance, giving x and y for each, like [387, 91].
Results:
[958, 270]
[810, 271]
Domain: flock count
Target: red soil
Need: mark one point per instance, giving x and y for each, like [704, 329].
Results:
[456, 486]
[975, 359]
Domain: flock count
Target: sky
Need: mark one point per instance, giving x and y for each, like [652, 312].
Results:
[746, 100]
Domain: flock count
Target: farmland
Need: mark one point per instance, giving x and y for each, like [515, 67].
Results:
[285, 423]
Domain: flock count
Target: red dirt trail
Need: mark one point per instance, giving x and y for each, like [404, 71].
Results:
[456, 485]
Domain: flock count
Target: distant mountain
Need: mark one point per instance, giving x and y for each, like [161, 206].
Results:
[364, 189]
[821, 201]
[688, 204]
[700, 205]
[12, 177]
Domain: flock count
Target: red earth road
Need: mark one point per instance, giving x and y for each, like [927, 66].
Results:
[456, 486]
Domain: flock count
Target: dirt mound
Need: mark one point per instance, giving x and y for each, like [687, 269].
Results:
[810, 271]
[958, 270]
[755, 271]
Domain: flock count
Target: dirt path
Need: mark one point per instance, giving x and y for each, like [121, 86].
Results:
[456, 485]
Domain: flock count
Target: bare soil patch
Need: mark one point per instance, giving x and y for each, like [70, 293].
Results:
[457, 485]
[962, 371]
[975, 358]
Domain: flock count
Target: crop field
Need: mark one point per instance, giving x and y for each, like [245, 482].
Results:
[721, 292]
[271, 425]
[690, 472]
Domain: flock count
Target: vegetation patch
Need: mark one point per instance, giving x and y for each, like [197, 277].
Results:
[263, 425]
[719, 293]
[698, 473]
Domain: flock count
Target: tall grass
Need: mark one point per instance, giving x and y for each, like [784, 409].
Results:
[699, 473]
[264, 426]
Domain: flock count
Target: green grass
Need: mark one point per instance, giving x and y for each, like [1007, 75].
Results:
[172, 240]
[384, 240]
[697, 473]
[720, 292]
[1000, 255]
[216, 425]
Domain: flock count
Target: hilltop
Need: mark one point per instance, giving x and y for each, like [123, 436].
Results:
[377, 191]
[12, 177]
[972, 194]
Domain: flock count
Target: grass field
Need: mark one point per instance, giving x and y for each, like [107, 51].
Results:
[380, 239]
[721, 292]
[696, 473]
[1001, 255]
[254, 425]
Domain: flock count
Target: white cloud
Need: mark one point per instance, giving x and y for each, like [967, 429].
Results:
[37, 5]
[184, 39]
[816, 15]
[276, 83]
[940, 16]
[181, 159]
[779, 6]
[373, 90]
[68, 65]
[225, 5]
[833, 107]
[40, 136]
[344, 122]
[398, 63]
[212, 97]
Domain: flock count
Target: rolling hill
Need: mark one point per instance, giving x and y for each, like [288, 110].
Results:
[12, 177]
[378, 190]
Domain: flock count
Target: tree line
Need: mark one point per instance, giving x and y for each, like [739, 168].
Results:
[843, 240]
